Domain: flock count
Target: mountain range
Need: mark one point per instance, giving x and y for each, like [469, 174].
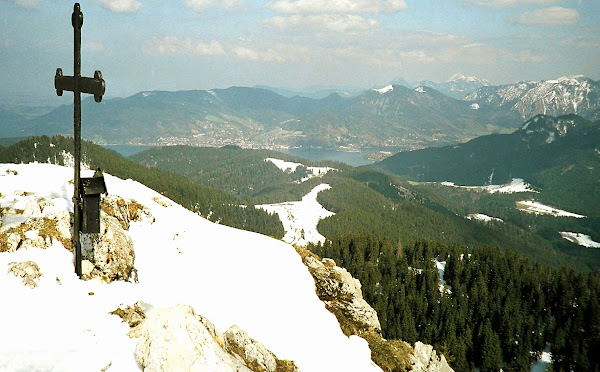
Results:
[560, 155]
[396, 115]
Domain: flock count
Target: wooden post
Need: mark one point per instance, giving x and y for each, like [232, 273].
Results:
[78, 85]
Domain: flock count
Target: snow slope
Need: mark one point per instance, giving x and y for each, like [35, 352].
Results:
[290, 167]
[531, 206]
[580, 239]
[300, 218]
[229, 276]
[515, 185]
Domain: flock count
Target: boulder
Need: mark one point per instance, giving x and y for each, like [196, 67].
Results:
[425, 359]
[176, 339]
[111, 252]
[125, 211]
[28, 270]
[254, 354]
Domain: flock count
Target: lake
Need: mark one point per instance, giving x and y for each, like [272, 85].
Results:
[354, 159]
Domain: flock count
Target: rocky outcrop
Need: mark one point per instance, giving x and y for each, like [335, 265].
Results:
[28, 270]
[254, 354]
[125, 211]
[425, 359]
[110, 253]
[341, 294]
[177, 339]
[35, 231]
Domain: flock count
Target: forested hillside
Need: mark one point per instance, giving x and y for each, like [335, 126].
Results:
[366, 201]
[495, 310]
[214, 204]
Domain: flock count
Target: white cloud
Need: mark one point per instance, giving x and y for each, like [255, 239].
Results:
[171, 45]
[331, 22]
[203, 5]
[26, 3]
[337, 6]
[279, 53]
[509, 3]
[121, 6]
[95, 47]
[553, 16]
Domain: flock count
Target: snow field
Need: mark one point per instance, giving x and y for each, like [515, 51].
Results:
[300, 218]
[290, 167]
[531, 206]
[229, 276]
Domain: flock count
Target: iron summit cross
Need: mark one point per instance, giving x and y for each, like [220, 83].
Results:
[78, 85]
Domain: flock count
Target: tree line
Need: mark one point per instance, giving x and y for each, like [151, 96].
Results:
[497, 309]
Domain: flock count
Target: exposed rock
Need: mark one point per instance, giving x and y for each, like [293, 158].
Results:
[111, 252]
[342, 294]
[177, 339]
[174, 339]
[36, 232]
[134, 316]
[254, 354]
[32, 208]
[162, 201]
[125, 211]
[12, 242]
[28, 270]
[425, 359]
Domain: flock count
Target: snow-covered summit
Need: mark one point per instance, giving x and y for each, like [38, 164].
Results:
[566, 95]
[230, 276]
[469, 79]
[384, 90]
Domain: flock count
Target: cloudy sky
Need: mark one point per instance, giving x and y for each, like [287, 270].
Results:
[203, 44]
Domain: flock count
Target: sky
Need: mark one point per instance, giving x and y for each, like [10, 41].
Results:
[144, 45]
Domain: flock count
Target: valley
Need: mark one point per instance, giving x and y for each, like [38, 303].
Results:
[470, 194]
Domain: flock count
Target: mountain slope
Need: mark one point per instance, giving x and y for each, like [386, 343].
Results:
[567, 95]
[218, 205]
[394, 116]
[229, 276]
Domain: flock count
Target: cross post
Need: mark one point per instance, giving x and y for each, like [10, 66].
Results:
[78, 85]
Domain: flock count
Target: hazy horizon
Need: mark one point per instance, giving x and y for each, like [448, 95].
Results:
[206, 44]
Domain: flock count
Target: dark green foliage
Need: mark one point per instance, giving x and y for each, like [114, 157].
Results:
[221, 206]
[557, 155]
[500, 307]
[232, 169]
[360, 209]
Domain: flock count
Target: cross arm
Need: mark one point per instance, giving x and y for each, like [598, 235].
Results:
[95, 85]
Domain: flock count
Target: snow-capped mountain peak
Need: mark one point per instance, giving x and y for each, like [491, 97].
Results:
[458, 77]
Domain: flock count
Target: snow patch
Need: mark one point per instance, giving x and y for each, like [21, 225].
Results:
[482, 217]
[290, 167]
[383, 90]
[580, 239]
[441, 266]
[515, 185]
[474, 106]
[420, 90]
[300, 218]
[531, 206]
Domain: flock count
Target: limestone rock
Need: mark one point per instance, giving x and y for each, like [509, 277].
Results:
[425, 359]
[125, 211]
[341, 293]
[12, 242]
[111, 252]
[32, 208]
[134, 316]
[174, 339]
[254, 354]
[28, 270]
